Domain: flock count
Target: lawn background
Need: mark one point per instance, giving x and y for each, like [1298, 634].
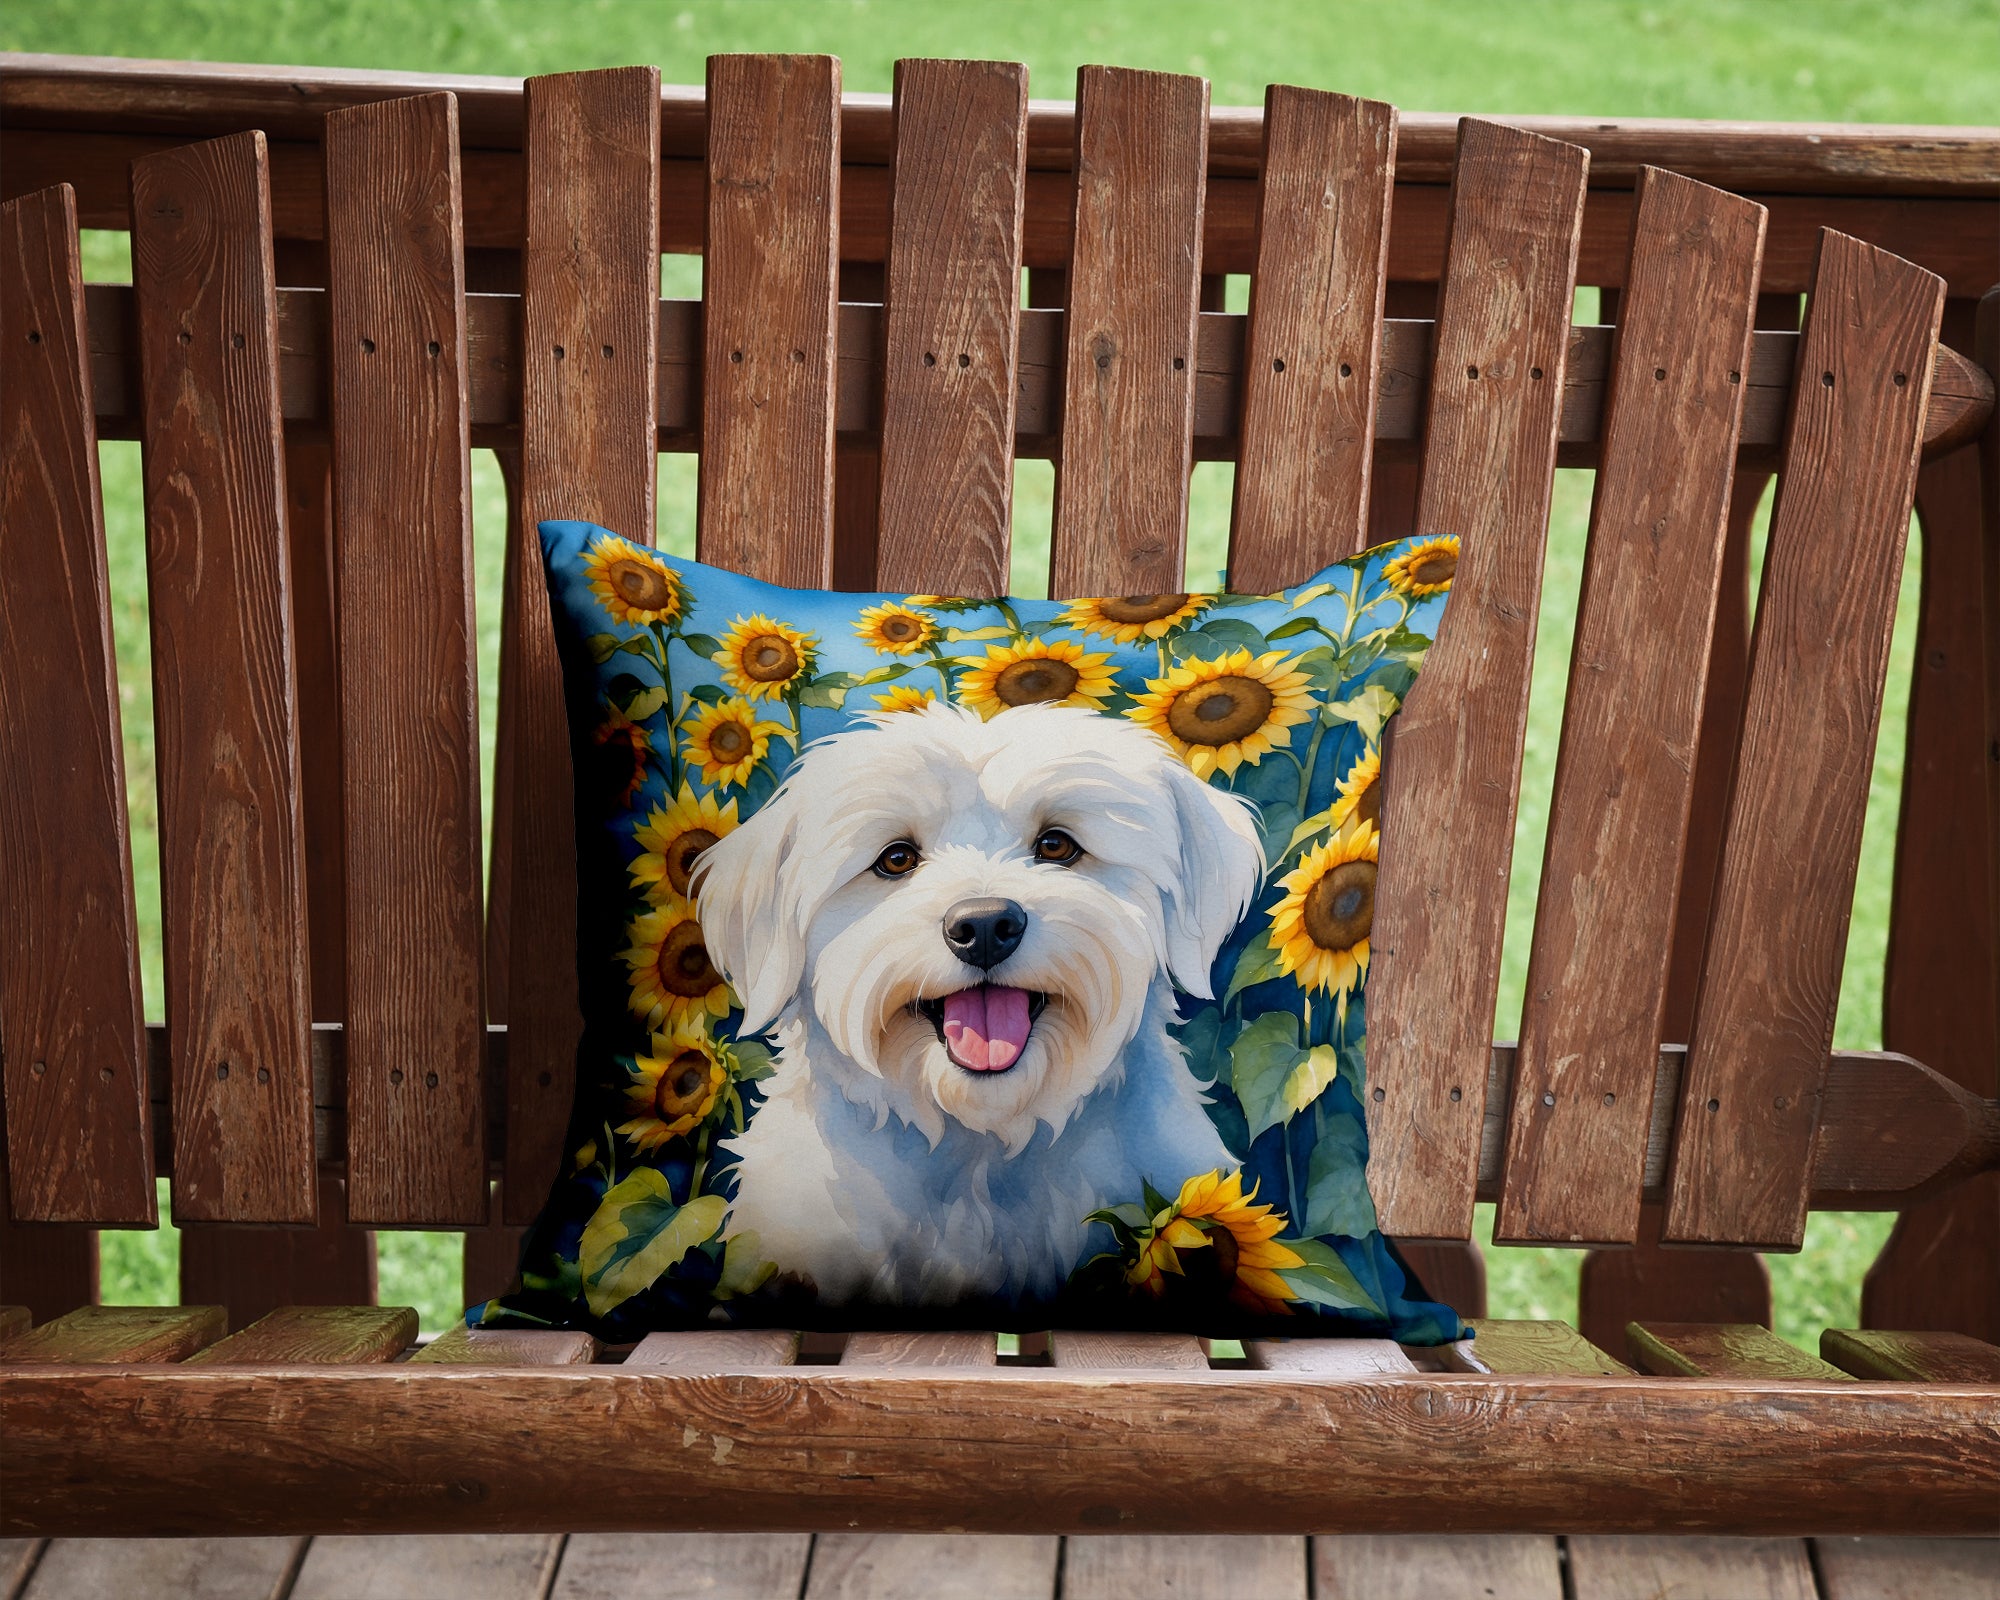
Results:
[1821, 60]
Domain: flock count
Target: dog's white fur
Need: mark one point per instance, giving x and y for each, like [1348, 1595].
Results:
[877, 1167]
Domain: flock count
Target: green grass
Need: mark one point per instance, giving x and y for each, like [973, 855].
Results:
[1847, 60]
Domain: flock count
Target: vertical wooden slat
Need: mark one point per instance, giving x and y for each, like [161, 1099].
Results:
[1489, 467]
[1129, 337]
[409, 702]
[952, 318]
[79, 1141]
[254, 1271]
[232, 866]
[49, 1267]
[1315, 336]
[1597, 972]
[1645, 1282]
[770, 277]
[589, 335]
[1398, 470]
[1771, 981]
[500, 846]
[857, 460]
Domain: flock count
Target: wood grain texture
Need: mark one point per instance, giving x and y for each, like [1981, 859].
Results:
[409, 703]
[1269, 1566]
[933, 1566]
[1907, 1569]
[317, 1335]
[1597, 970]
[951, 325]
[1917, 1357]
[186, 1569]
[1987, 343]
[461, 1346]
[14, 1320]
[1138, 1352]
[589, 343]
[78, 1136]
[1489, 465]
[1330, 1358]
[253, 1271]
[1129, 335]
[682, 1566]
[473, 1566]
[47, 1267]
[920, 1350]
[1314, 338]
[1654, 1567]
[95, 1335]
[232, 865]
[716, 1349]
[1764, 1018]
[1508, 1347]
[492, 1254]
[1647, 1281]
[769, 280]
[1721, 1349]
[1362, 1566]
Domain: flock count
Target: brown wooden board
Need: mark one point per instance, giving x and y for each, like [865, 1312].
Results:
[1722, 1350]
[1332, 1358]
[933, 1566]
[1129, 334]
[1644, 1567]
[93, 1335]
[1363, 1566]
[14, 1320]
[253, 1271]
[1489, 465]
[78, 1136]
[492, 1254]
[318, 1335]
[716, 1349]
[951, 323]
[508, 1347]
[47, 1267]
[681, 1566]
[503, 1566]
[1751, 1095]
[1907, 1569]
[1648, 1281]
[919, 1350]
[769, 282]
[1314, 338]
[1510, 1347]
[1987, 344]
[589, 343]
[409, 703]
[232, 868]
[186, 1569]
[1597, 970]
[1269, 1566]
[1919, 1357]
[1142, 1352]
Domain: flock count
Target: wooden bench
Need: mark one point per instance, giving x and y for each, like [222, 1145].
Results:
[342, 284]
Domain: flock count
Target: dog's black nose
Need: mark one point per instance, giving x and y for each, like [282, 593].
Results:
[985, 932]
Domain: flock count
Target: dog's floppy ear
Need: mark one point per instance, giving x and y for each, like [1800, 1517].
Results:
[748, 921]
[1220, 866]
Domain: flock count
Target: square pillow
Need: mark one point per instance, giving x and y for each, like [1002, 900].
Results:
[974, 963]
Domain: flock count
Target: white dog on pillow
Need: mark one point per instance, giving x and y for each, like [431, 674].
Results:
[965, 937]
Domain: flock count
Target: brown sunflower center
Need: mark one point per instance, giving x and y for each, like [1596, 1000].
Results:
[729, 741]
[641, 587]
[682, 855]
[900, 629]
[683, 1086]
[1340, 908]
[684, 965]
[1368, 803]
[1220, 711]
[1437, 566]
[1030, 682]
[769, 658]
[1141, 607]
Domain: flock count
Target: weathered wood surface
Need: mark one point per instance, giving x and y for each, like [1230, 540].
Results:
[1507, 1347]
[1363, 1566]
[317, 1335]
[509, 1347]
[716, 1349]
[1721, 1350]
[409, 703]
[118, 1335]
[46, 1268]
[670, 1566]
[1649, 1282]
[77, 1129]
[254, 1271]
[14, 1320]
[934, 1566]
[490, 1566]
[1914, 1357]
[169, 1569]
[920, 1350]
[1648, 1567]
[1091, 1349]
[1907, 1569]
[1268, 1566]
[1329, 1358]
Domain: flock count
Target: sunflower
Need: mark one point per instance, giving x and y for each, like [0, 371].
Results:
[672, 840]
[1424, 569]
[671, 975]
[626, 747]
[1359, 794]
[726, 739]
[1130, 618]
[1320, 929]
[946, 602]
[632, 584]
[762, 658]
[1036, 672]
[1219, 714]
[896, 630]
[901, 697]
[1212, 1213]
[674, 1085]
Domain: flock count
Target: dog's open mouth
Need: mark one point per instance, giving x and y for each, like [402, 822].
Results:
[984, 1028]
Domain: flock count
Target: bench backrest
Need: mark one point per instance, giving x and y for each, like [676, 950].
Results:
[306, 462]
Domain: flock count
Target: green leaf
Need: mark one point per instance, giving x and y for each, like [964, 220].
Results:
[1324, 1279]
[603, 646]
[1337, 1198]
[969, 635]
[883, 674]
[1368, 710]
[709, 694]
[646, 703]
[705, 645]
[1321, 665]
[1305, 830]
[638, 1233]
[1309, 1079]
[1308, 595]
[1257, 964]
[1218, 637]
[753, 1061]
[1260, 1061]
[744, 1269]
[824, 696]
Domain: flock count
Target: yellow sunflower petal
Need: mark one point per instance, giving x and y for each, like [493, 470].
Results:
[1035, 671]
[1320, 929]
[1223, 713]
[632, 584]
[761, 658]
[1425, 569]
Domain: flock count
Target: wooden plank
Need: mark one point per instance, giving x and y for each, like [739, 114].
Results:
[187, 1569]
[409, 702]
[590, 333]
[1138, 1352]
[254, 1271]
[96, 1335]
[716, 1349]
[317, 1334]
[1489, 464]
[78, 1136]
[1722, 1350]
[467, 1566]
[492, 1254]
[1764, 1017]
[1330, 1358]
[232, 867]
[1269, 1566]
[1314, 338]
[1988, 346]
[769, 280]
[1649, 1282]
[1452, 1270]
[1509, 1347]
[1907, 1569]
[14, 1320]
[461, 1346]
[951, 325]
[1916, 1357]
[1363, 1566]
[46, 1267]
[934, 1566]
[682, 1566]
[920, 1350]
[1598, 967]
[1652, 1567]
[1129, 334]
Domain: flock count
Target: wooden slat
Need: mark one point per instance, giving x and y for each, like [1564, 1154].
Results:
[1907, 1569]
[933, 1566]
[1987, 344]
[1646, 1567]
[254, 1271]
[409, 703]
[920, 1350]
[1721, 1350]
[1269, 1566]
[186, 1569]
[1139, 1352]
[492, 1254]
[1363, 1566]
[1649, 1281]
[1314, 338]
[46, 1267]
[1916, 1357]
[317, 1334]
[668, 1566]
[1597, 971]
[494, 1566]
[1509, 1347]
[589, 341]
[951, 324]
[118, 1334]
[509, 1347]
[1764, 1019]
[769, 279]
[1129, 336]
[14, 1320]
[232, 868]
[1330, 1358]
[77, 1131]
[1489, 464]
[716, 1349]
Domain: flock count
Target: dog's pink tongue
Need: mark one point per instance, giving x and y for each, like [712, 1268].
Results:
[986, 1028]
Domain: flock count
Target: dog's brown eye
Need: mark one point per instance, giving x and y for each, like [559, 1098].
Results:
[1057, 846]
[897, 860]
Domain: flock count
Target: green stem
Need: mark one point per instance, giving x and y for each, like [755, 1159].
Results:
[674, 778]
